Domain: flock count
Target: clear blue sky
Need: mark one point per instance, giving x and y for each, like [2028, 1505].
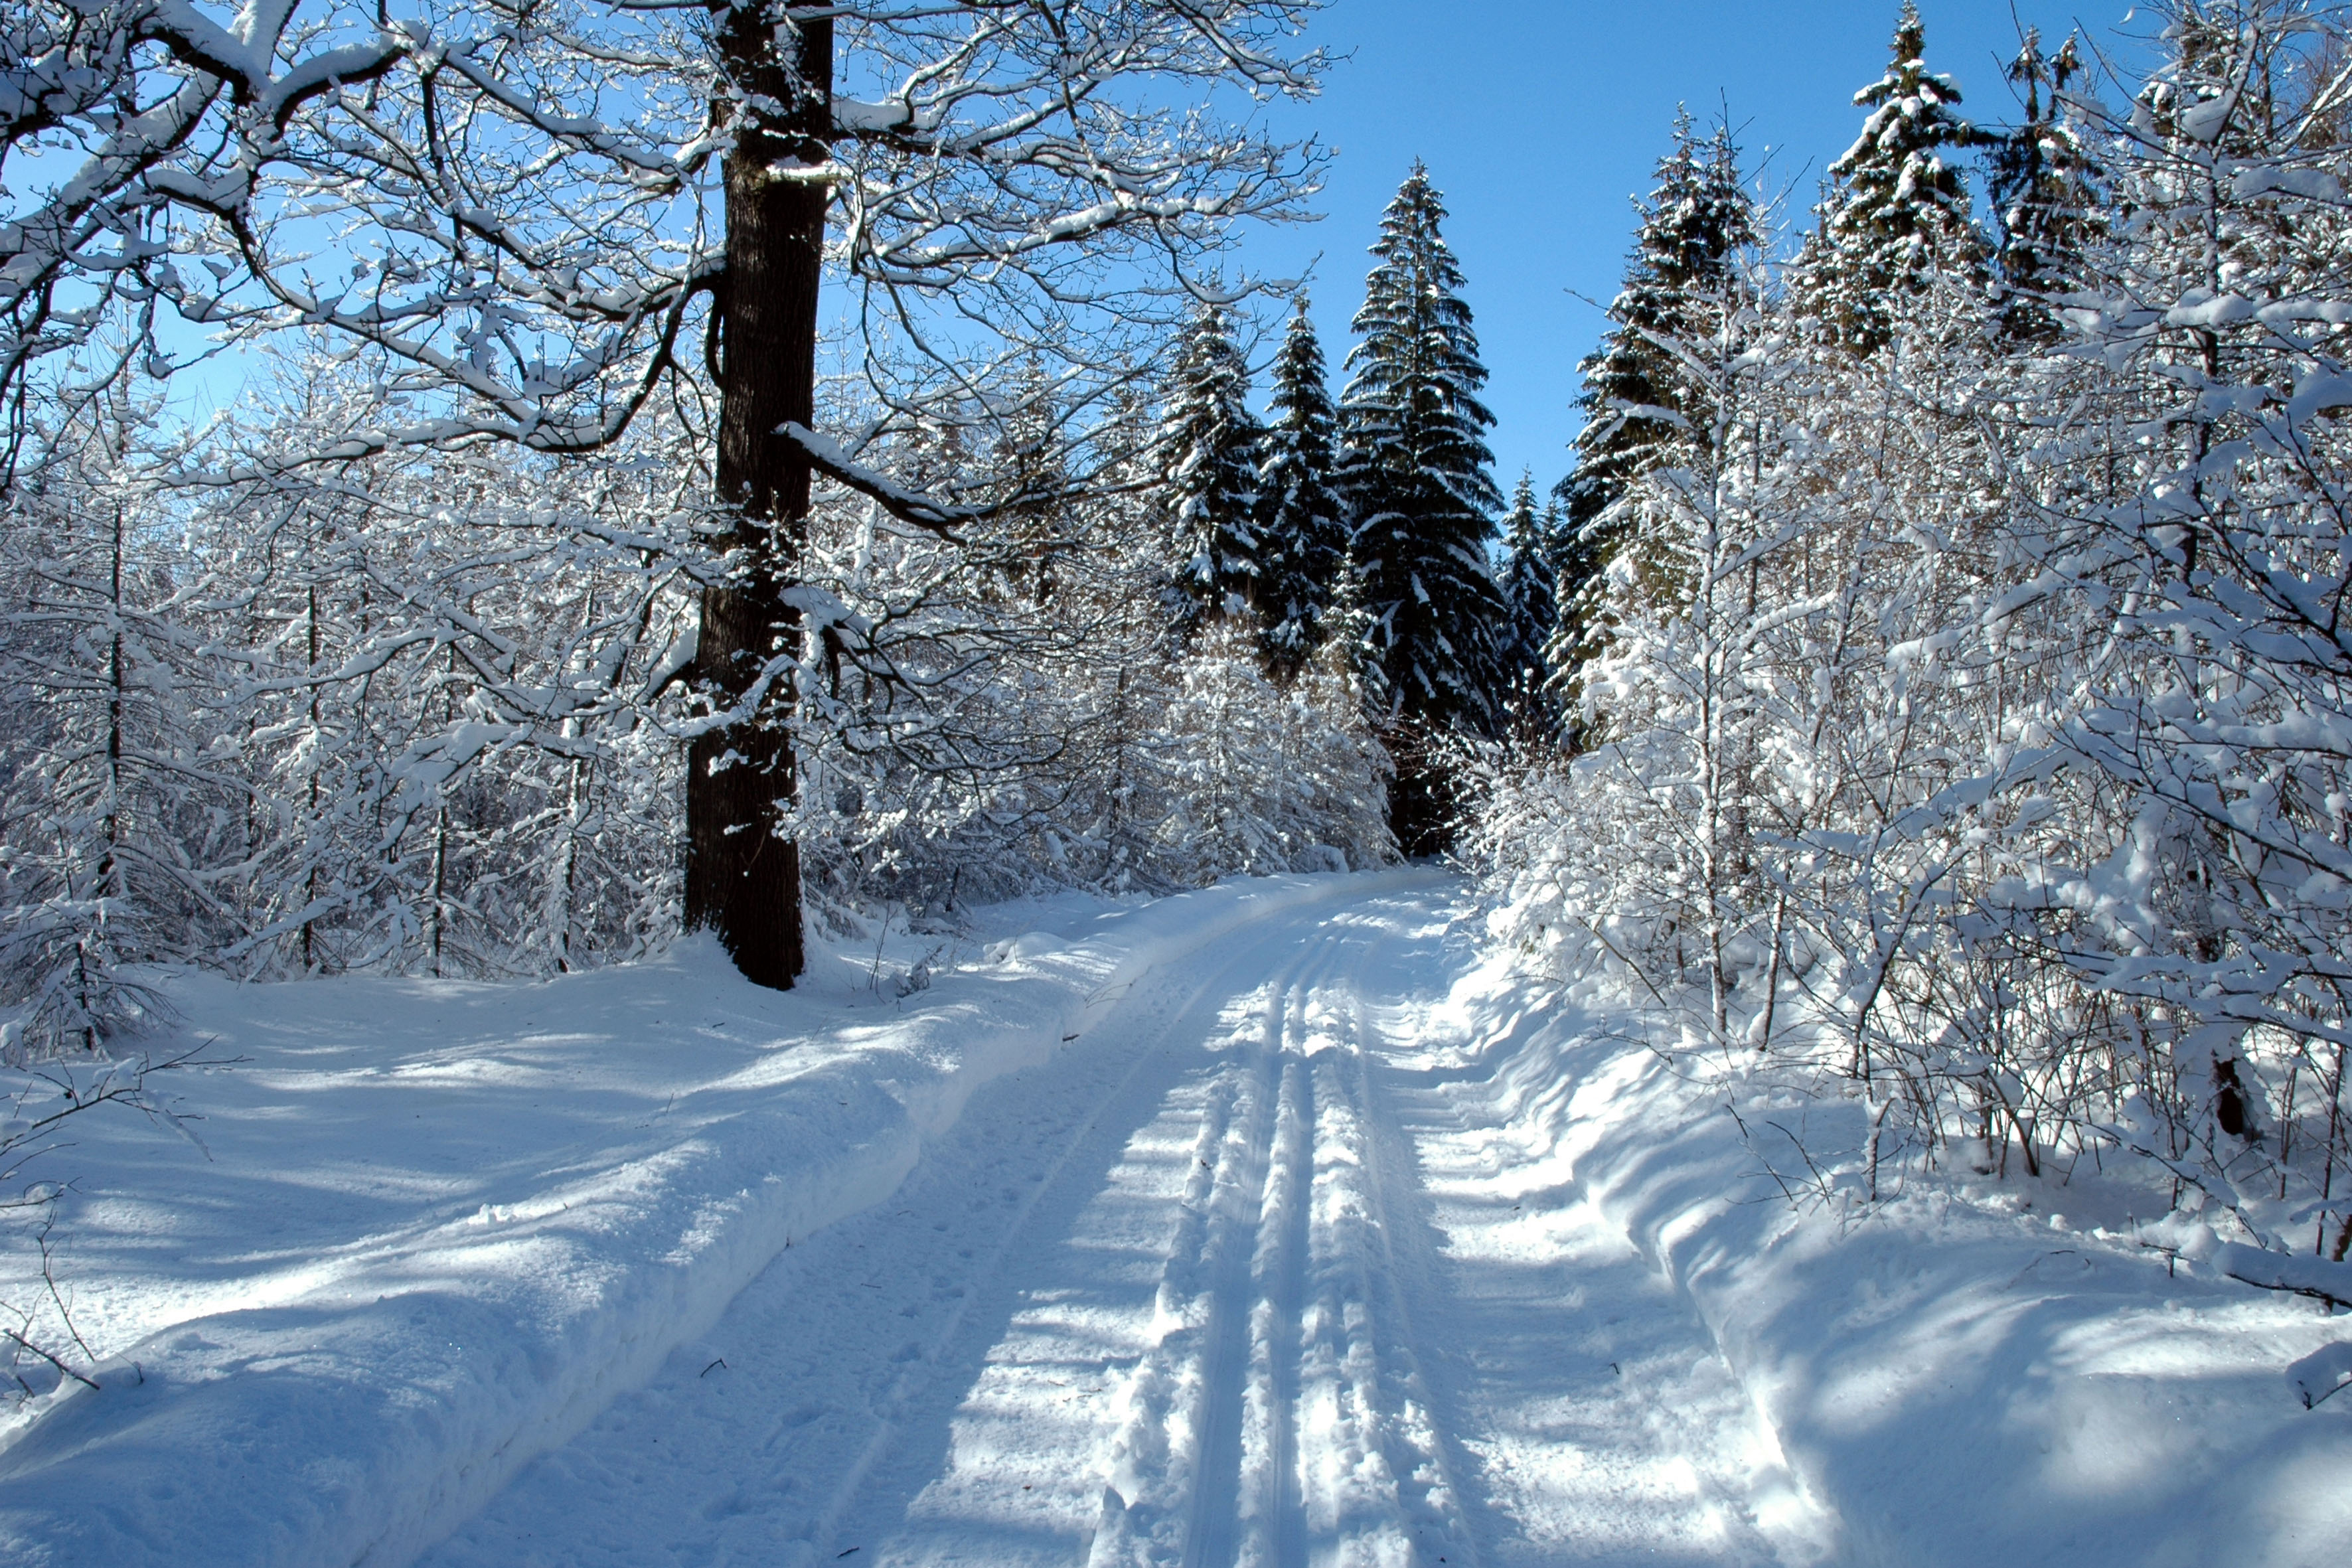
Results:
[1540, 118]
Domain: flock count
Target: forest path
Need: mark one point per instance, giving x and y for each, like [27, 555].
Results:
[1253, 1274]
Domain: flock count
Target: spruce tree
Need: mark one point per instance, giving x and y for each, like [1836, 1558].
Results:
[1896, 215]
[1302, 530]
[1350, 638]
[2044, 195]
[1414, 472]
[1638, 400]
[1530, 603]
[1210, 441]
[1694, 221]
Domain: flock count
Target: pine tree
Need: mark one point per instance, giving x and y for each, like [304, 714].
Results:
[2044, 195]
[1638, 399]
[1696, 220]
[1897, 213]
[1303, 530]
[1530, 595]
[1350, 638]
[1210, 441]
[1414, 472]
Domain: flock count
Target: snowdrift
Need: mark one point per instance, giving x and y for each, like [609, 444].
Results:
[442, 1225]
[1975, 1371]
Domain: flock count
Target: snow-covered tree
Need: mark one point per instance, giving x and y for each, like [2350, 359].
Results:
[1030, 532]
[2216, 548]
[1530, 603]
[404, 711]
[1695, 219]
[1212, 447]
[1350, 643]
[1414, 473]
[2044, 192]
[1303, 527]
[1638, 400]
[1266, 779]
[965, 740]
[1974, 737]
[548, 222]
[1896, 213]
[114, 803]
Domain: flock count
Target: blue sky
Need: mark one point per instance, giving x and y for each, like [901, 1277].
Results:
[1540, 118]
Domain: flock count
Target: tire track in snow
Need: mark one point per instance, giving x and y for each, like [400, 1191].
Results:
[1162, 1302]
[1281, 1425]
[1168, 1465]
[1373, 1477]
[1203, 987]
[671, 1475]
[1181, 999]
[1266, 1497]
[1187, 1403]
[1425, 1458]
[1630, 1437]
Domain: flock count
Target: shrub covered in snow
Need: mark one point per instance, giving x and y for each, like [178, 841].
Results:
[1971, 723]
[426, 710]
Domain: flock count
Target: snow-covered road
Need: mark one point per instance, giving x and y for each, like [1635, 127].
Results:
[1270, 1225]
[1185, 1294]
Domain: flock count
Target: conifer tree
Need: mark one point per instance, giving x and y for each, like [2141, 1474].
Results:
[1638, 400]
[2205, 59]
[1211, 440]
[1530, 595]
[2044, 195]
[1414, 472]
[1349, 643]
[1303, 530]
[1695, 219]
[1896, 215]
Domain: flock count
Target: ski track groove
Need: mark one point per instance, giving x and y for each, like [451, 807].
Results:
[1206, 984]
[919, 1373]
[1242, 1385]
[1266, 1492]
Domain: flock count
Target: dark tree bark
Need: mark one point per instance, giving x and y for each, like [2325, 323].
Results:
[742, 875]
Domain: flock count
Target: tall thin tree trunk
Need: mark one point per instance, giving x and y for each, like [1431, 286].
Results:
[1772, 975]
[441, 830]
[110, 871]
[562, 894]
[310, 671]
[440, 884]
[109, 889]
[2327, 1155]
[743, 876]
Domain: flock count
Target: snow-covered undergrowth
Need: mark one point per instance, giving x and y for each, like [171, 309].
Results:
[442, 1225]
[1974, 1370]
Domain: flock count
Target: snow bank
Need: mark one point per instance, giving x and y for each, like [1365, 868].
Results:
[1976, 1371]
[445, 1224]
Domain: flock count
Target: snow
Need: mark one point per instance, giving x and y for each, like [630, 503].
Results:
[1975, 1371]
[831, 458]
[1264, 1225]
[445, 1224]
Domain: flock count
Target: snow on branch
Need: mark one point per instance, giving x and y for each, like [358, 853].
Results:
[520, 213]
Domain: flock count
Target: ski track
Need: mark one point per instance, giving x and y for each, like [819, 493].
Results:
[1249, 1276]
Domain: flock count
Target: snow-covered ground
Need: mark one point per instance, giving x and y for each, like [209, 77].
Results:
[1264, 1226]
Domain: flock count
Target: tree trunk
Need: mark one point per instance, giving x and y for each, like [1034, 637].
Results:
[742, 875]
